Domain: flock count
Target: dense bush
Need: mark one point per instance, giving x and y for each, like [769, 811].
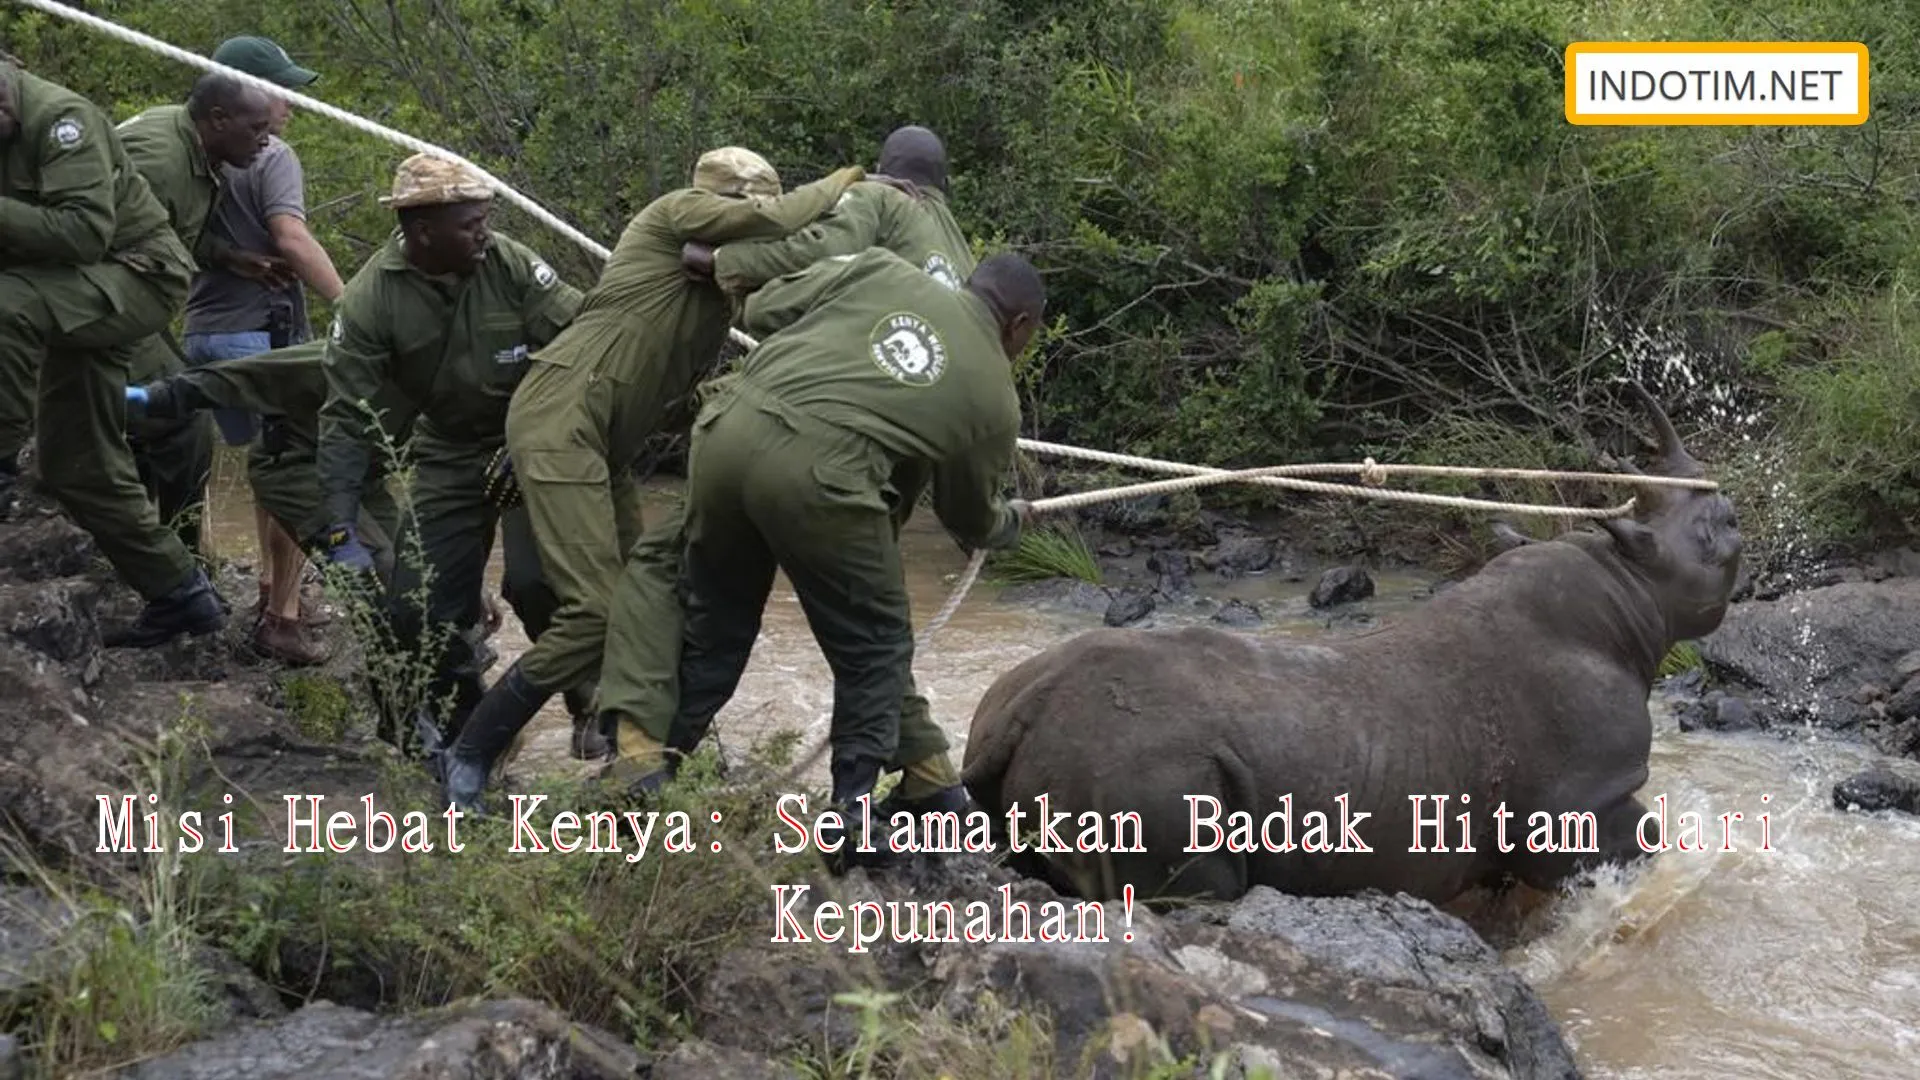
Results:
[1272, 229]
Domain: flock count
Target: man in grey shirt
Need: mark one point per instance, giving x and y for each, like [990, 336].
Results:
[263, 210]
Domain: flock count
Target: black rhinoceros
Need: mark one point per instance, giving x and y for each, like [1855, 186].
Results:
[1522, 689]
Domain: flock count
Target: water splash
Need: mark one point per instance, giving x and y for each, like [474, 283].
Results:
[1699, 387]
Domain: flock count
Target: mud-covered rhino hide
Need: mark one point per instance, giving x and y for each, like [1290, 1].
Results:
[1524, 689]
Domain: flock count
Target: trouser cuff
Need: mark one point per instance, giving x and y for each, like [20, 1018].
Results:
[928, 775]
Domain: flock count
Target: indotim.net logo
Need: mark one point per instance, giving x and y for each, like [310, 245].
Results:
[1716, 82]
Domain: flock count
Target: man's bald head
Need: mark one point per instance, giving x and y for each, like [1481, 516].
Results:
[232, 117]
[1013, 291]
[916, 154]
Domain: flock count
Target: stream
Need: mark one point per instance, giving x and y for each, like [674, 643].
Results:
[1795, 962]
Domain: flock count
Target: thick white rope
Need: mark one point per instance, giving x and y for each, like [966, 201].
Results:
[1372, 472]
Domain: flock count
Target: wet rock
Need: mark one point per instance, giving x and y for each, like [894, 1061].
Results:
[1150, 513]
[1238, 614]
[1717, 711]
[56, 619]
[1900, 740]
[1410, 953]
[1907, 666]
[494, 1040]
[1806, 653]
[1175, 569]
[1905, 702]
[1058, 593]
[1349, 986]
[1238, 556]
[1129, 607]
[45, 548]
[31, 926]
[702, 1061]
[1900, 562]
[1341, 585]
[1886, 786]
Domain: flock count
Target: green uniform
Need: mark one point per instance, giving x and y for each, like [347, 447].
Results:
[175, 457]
[865, 363]
[578, 424]
[639, 682]
[453, 351]
[89, 268]
[286, 388]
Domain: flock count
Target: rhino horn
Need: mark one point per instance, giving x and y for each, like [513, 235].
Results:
[1675, 461]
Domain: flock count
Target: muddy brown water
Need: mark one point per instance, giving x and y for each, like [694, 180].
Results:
[1795, 962]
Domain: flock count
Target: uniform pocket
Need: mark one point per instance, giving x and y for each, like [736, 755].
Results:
[504, 345]
[561, 467]
[843, 487]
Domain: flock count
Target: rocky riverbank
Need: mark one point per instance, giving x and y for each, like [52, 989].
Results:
[264, 962]
[259, 962]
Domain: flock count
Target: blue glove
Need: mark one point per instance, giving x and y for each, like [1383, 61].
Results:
[137, 395]
[345, 549]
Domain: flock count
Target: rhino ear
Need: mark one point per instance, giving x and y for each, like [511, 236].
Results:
[1636, 540]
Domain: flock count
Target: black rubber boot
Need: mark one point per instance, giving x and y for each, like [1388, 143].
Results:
[433, 734]
[852, 778]
[501, 714]
[192, 608]
[590, 741]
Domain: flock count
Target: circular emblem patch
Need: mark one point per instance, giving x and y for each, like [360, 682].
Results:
[543, 275]
[942, 271]
[905, 347]
[67, 131]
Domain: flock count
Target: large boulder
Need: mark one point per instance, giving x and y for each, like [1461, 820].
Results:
[84, 721]
[1826, 656]
[1367, 986]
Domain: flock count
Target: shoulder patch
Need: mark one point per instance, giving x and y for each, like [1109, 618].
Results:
[907, 348]
[66, 132]
[543, 275]
[940, 268]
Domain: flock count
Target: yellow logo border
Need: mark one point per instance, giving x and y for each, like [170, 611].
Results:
[1579, 48]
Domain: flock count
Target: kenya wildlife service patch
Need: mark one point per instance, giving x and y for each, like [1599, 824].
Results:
[66, 132]
[906, 348]
[941, 270]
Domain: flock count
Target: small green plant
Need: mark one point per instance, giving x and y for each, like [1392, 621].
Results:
[319, 706]
[1684, 656]
[1046, 552]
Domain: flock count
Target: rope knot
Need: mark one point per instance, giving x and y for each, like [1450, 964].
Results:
[1371, 474]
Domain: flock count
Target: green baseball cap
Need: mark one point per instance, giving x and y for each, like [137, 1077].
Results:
[262, 59]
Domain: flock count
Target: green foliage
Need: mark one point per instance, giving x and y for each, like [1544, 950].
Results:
[320, 707]
[1683, 657]
[1046, 552]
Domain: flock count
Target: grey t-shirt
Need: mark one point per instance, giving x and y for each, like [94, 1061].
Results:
[224, 303]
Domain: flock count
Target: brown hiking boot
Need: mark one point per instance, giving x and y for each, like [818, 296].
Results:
[286, 641]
